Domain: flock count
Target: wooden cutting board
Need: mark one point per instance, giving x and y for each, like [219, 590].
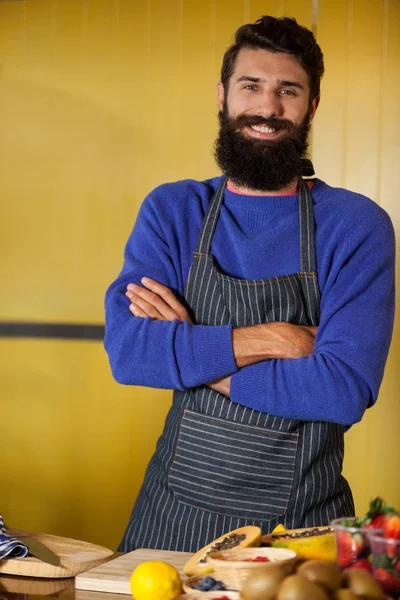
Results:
[88, 595]
[114, 575]
[75, 555]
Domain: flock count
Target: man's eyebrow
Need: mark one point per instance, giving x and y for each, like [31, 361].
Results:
[249, 78]
[285, 83]
[282, 82]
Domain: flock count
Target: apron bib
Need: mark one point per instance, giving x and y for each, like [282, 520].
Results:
[219, 465]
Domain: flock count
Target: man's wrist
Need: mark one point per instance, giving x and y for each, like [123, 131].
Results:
[262, 342]
[247, 348]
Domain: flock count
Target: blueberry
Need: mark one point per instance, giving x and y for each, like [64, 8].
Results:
[207, 583]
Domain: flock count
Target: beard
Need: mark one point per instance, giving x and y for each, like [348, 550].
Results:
[261, 164]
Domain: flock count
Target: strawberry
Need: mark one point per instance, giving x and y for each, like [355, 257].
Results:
[363, 563]
[391, 526]
[376, 514]
[389, 582]
[375, 523]
[346, 549]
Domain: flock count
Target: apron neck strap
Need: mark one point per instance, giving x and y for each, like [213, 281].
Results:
[210, 220]
[306, 219]
[307, 229]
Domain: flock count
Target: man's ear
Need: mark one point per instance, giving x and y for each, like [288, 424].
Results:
[220, 95]
[314, 106]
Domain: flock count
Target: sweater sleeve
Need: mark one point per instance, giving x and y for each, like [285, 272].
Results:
[342, 377]
[154, 353]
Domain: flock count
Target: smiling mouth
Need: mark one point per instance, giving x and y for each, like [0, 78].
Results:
[263, 129]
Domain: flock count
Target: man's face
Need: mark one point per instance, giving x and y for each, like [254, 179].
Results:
[268, 84]
[265, 119]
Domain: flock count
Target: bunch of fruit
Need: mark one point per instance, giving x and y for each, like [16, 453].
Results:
[383, 516]
[372, 543]
[209, 584]
[387, 567]
[313, 580]
[353, 548]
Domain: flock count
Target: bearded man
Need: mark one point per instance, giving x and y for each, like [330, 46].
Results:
[265, 301]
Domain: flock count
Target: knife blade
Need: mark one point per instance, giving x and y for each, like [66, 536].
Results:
[36, 548]
[39, 550]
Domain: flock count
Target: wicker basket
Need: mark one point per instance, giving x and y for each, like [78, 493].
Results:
[233, 568]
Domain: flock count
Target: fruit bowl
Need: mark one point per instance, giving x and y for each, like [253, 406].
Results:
[385, 554]
[233, 567]
[352, 543]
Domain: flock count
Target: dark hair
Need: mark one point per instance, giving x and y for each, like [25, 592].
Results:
[278, 35]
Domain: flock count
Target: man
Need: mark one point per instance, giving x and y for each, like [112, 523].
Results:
[265, 301]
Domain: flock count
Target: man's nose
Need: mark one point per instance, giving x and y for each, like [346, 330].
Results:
[270, 105]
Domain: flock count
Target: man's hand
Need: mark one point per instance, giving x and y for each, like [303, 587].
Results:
[223, 386]
[156, 301]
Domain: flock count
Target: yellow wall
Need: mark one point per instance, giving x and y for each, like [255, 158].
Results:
[100, 101]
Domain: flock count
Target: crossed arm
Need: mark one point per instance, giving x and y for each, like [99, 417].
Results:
[250, 344]
[334, 379]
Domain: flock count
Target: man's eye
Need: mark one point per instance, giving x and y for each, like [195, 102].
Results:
[250, 87]
[287, 93]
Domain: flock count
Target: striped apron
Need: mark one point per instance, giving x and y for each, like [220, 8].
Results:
[219, 465]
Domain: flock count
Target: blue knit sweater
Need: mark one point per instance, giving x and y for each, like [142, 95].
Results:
[258, 237]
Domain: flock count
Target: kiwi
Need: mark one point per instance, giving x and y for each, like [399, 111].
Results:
[323, 572]
[297, 587]
[345, 594]
[363, 584]
[264, 584]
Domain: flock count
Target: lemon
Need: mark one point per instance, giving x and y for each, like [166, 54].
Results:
[279, 528]
[155, 580]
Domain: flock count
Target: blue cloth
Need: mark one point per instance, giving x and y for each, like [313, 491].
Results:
[10, 547]
[258, 237]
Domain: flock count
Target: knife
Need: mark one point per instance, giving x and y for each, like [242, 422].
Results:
[41, 551]
[37, 549]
